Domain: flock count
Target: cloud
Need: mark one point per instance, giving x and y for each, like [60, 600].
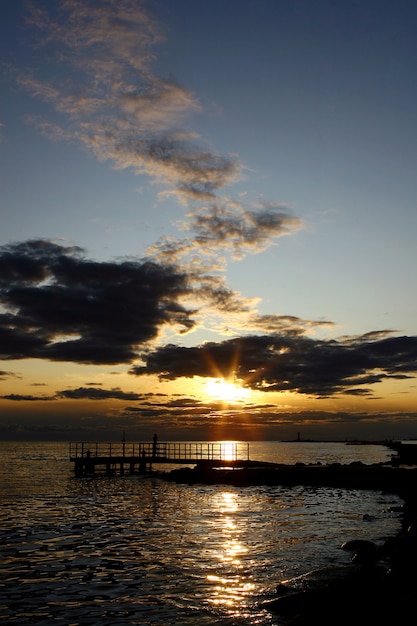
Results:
[272, 324]
[114, 104]
[4, 375]
[83, 393]
[223, 231]
[26, 398]
[291, 362]
[162, 101]
[89, 393]
[239, 229]
[59, 306]
[120, 34]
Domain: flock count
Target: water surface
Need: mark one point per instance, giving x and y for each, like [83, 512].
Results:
[138, 550]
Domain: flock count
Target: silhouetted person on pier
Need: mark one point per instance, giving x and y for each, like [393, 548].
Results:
[142, 464]
[89, 466]
[155, 441]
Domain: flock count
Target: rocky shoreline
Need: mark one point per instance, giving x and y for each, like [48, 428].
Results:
[379, 587]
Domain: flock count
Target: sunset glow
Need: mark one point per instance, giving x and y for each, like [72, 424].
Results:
[220, 389]
[183, 263]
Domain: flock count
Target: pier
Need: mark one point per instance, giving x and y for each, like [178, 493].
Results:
[124, 457]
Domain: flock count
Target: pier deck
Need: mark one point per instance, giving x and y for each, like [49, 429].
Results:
[123, 457]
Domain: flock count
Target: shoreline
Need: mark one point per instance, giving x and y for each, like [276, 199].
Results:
[379, 588]
[387, 477]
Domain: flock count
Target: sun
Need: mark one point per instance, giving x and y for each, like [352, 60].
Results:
[221, 389]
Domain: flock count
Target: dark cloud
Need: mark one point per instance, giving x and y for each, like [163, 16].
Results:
[84, 393]
[57, 305]
[5, 374]
[16, 397]
[291, 362]
[90, 393]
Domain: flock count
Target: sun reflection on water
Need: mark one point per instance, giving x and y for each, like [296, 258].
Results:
[230, 586]
[228, 451]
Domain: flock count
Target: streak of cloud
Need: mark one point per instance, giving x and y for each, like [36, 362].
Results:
[16, 397]
[89, 393]
[114, 104]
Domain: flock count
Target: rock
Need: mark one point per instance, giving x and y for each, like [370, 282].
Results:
[362, 596]
[357, 544]
[364, 552]
[315, 589]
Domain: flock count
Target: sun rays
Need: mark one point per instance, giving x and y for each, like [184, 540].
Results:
[226, 391]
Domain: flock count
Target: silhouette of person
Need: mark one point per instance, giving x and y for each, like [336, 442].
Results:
[155, 441]
[142, 464]
[89, 465]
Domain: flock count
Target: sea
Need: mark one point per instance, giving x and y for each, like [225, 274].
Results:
[139, 550]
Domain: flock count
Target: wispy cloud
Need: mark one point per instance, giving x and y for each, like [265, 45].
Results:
[113, 103]
[240, 229]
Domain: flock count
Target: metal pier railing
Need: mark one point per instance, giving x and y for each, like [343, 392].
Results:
[118, 456]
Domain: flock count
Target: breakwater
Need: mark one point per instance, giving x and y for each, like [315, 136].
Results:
[402, 481]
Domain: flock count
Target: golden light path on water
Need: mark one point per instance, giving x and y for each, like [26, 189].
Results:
[229, 590]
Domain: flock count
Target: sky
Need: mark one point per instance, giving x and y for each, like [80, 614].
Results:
[208, 219]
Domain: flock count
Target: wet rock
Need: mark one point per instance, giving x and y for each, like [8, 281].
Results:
[363, 594]
[364, 552]
[357, 544]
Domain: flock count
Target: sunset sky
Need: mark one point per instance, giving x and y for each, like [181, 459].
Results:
[208, 219]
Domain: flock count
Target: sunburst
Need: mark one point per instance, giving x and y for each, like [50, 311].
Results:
[226, 391]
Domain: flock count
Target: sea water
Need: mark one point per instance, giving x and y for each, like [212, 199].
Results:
[137, 550]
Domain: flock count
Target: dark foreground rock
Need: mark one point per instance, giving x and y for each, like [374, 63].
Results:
[367, 599]
[379, 588]
[381, 591]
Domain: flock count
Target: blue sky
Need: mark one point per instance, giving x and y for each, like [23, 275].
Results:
[266, 149]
